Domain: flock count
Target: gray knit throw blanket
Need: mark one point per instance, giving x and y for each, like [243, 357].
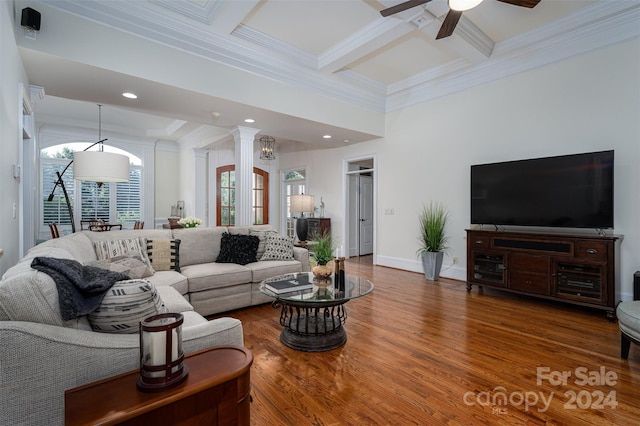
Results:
[80, 288]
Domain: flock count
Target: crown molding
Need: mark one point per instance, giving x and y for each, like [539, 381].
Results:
[205, 14]
[274, 45]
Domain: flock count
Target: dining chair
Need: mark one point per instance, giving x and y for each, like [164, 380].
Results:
[101, 227]
[53, 227]
[88, 223]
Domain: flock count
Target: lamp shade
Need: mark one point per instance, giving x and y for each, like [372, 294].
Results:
[302, 203]
[100, 166]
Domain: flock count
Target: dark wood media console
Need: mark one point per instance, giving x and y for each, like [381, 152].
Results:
[577, 269]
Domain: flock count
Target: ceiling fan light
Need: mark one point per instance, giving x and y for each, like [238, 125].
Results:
[462, 5]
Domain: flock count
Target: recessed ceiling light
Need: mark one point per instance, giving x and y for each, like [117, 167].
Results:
[130, 95]
[249, 120]
[327, 136]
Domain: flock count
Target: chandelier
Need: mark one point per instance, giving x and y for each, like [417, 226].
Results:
[267, 148]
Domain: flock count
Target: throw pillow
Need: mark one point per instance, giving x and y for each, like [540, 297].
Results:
[107, 249]
[263, 239]
[130, 264]
[240, 249]
[278, 247]
[125, 305]
[164, 255]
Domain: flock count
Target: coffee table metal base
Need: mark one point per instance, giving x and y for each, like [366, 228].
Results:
[311, 327]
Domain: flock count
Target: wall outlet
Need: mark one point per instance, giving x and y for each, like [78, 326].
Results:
[389, 211]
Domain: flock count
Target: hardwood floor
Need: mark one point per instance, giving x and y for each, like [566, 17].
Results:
[426, 353]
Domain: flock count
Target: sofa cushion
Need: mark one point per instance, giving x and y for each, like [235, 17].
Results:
[170, 279]
[125, 305]
[199, 245]
[78, 245]
[270, 268]
[240, 249]
[214, 275]
[32, 296]
[164, 255]
[106, 249]
[221, 299]
[41, 250]
[130, 264]
[278, 247]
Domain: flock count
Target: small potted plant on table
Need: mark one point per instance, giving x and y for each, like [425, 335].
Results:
[322, 247]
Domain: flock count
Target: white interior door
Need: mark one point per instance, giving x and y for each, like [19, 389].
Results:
[365, 229]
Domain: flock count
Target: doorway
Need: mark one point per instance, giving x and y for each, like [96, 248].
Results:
[360, 194]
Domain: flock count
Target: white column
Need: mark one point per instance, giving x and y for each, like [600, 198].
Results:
[200, 184]
[244, 137]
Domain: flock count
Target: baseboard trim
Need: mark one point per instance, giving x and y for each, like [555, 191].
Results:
[452, 271]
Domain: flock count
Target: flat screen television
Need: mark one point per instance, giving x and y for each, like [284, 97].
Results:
[568, 191]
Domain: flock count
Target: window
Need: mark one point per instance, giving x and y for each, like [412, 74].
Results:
[56, 209]
[112, 202]
[294, 182]
[260, 199]
[226, 196]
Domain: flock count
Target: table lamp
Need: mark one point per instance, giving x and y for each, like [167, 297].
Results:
[302, 204]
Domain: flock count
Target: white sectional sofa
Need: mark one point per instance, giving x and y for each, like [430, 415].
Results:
[42, 354]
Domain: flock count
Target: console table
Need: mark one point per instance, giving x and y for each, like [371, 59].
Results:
[216, 392]
[319, 225]
[571, 268]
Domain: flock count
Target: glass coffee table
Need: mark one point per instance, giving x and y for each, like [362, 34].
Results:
[313, 319]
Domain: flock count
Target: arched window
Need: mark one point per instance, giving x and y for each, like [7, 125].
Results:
[113, 202]
[226, 196]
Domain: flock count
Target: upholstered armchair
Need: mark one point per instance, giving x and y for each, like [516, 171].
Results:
[628, 314]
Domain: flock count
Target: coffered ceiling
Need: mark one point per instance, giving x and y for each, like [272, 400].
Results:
[343, 49]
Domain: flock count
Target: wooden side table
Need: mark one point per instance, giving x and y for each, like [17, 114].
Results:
[216, 392]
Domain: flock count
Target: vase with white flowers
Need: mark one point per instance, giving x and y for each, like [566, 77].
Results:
[190, 222]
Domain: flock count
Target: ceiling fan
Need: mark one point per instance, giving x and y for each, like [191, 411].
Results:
[456, 7]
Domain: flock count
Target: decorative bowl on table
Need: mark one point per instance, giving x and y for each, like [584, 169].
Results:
[321, 271]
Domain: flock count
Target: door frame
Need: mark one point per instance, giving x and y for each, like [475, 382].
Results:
[349, 224]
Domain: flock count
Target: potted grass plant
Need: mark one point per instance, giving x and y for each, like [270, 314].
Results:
[322, 247]
[432, 220]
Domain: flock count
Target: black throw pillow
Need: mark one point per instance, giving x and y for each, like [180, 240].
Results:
[240, 249]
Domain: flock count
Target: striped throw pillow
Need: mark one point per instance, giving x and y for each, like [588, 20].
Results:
[108, 249]
[125, 305]
[164, 255]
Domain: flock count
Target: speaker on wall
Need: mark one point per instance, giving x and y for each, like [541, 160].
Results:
[30, 18]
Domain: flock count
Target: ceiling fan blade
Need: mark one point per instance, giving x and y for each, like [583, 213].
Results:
[524, 3]
[402, 7]
[449, 24]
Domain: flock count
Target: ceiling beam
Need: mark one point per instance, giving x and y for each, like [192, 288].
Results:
[370, 38]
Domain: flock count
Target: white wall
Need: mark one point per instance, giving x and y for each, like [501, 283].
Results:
[587, 103]
[11, 74]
